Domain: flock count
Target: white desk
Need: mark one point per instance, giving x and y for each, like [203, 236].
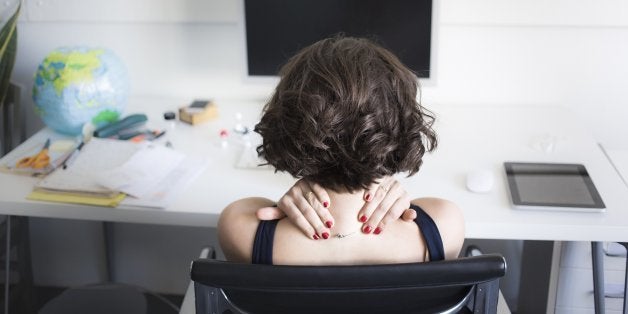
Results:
[469, 138]
[619, 158]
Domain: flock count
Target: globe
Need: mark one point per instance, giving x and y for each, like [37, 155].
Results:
[75, 85]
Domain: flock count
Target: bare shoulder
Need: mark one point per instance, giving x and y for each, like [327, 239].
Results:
[449, 220]
[237, 226]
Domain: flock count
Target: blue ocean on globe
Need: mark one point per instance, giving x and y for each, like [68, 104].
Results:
[75, 85]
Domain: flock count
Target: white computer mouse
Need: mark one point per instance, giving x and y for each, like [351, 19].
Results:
[480, 181]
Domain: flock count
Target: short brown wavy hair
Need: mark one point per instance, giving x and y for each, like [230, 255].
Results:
[345, 114]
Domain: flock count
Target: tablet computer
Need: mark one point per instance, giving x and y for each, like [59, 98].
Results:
[552, 186]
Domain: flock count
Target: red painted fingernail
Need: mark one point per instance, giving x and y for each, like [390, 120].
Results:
[368, 196]
[325, 204]
[328, 223]
[315, 237]
[367, 229]
[378, 230]
[325, 235]
[363, 218]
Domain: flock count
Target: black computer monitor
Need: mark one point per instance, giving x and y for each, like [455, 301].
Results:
[277, 29]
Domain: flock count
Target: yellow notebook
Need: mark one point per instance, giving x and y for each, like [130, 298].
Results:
[77, 199]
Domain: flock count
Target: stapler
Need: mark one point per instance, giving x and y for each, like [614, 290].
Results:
[129, 122]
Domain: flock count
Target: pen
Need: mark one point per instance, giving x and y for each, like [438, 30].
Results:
[72, 156]
[158, 135]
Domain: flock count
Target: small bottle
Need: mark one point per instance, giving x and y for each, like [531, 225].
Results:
[171, 125]
[239, 127]
[171, 122]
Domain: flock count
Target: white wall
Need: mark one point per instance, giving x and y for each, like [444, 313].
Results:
[569, 53]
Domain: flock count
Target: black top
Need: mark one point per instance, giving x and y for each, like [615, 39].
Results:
[264, 237]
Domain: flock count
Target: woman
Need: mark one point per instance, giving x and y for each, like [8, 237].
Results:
[344, 116]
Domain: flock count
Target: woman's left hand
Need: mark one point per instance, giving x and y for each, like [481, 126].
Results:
[385, 202]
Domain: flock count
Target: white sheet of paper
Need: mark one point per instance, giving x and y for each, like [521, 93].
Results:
[143, 172]
[172, 185]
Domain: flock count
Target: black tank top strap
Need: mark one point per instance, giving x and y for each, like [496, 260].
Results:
[265, 235]
[430, 232]
[263, 244]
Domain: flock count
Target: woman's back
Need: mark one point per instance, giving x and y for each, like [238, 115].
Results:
[290, 247]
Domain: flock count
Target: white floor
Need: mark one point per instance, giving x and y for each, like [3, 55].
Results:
[575, 280]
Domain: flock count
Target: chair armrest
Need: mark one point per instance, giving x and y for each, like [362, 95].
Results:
[502, 306]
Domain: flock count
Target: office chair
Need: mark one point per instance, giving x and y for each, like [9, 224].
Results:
[465, 285]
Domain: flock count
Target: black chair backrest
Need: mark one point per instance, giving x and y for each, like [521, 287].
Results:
[453, 286]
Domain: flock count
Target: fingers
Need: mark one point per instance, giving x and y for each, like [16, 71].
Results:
[301, 215]
[322, 202]
[389, 202]
[310, 208]
[386, 201]
[320, 193]
[370, 193]
[269, 213]
[409, 214]
[397, 208]
[373, 198]
[302, 206]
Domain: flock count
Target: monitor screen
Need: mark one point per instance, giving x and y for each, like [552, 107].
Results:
[277, 29]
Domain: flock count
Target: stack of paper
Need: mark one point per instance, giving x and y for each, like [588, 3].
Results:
[78, 183]
[162, 194]
[107, 170]
[153, 176]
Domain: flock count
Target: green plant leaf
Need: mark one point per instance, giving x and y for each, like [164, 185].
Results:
[8, 51]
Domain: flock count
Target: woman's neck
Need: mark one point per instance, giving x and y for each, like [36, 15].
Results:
[344, 207]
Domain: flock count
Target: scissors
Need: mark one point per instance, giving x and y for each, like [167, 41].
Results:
[38, 161]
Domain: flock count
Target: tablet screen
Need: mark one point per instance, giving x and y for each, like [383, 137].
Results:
[559, 185]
